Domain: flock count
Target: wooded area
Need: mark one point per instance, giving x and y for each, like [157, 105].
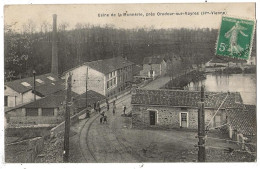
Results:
[30, 50]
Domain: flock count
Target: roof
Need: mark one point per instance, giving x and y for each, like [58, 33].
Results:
[56, 99]
[51, 101]
[137, 69]
[109, 65]
[45, 84]
[105, 66]
[93, 97]
[184, 98]
[152, 60]
[243, 119]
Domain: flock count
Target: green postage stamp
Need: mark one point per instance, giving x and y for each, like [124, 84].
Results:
[235, 38]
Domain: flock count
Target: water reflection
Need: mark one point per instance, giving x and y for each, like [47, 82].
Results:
[243, 83]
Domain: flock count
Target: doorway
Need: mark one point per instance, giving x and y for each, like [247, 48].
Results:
[184, 120]
[152, 117]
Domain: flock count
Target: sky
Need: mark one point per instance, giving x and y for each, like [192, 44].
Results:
[74, 14]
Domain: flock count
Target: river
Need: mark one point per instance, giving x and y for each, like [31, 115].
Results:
[243, 83]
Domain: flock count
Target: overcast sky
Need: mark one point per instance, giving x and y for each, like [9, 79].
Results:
[73, 14]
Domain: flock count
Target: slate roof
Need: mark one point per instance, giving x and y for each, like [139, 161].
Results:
[56, 99]
[109, 65]
[92, 98]
[243, 119]
[137, 69]
[183, 98]
[105, 66]
[51, 101]
[152, 60]
[48, 86]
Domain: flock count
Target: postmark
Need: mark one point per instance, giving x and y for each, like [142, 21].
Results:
[235, 38]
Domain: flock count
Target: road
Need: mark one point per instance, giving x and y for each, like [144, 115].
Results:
[100, 143]
[157, 83]
[117, 142]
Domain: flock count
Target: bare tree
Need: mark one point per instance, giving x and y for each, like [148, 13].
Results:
[29, 27]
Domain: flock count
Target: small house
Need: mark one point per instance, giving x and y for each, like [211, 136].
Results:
[153, 67]
[179, 108]
[241, 120]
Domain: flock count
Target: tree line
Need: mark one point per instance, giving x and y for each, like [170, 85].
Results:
[30, 50]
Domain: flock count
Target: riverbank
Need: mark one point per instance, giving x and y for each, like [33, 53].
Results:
[231, 70]
[181, 81]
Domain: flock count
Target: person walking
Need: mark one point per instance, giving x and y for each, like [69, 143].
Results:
[98, 107]
[124, 109]
[95, 106]
[114, 107]
[105, 119]
[107, 104]
[114, 110]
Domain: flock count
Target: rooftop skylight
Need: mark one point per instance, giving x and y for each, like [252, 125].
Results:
[26, 84]
[51, 78]
[39, 81]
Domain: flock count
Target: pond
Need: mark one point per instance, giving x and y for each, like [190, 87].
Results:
[243, 83]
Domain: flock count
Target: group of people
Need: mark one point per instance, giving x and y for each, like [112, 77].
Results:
[103, 118]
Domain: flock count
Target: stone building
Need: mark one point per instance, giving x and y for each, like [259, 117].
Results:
[153, 67]
[20, 91]
[241, 120]
[178, 108]
[107, 77]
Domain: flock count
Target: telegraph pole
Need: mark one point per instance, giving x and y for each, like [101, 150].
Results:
[67, 122]
[87, 113]
[34, 95]
[87, 88]
[201, 128]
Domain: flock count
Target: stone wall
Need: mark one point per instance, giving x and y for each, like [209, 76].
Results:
[28, 131]
[24, 151]
[169, 117]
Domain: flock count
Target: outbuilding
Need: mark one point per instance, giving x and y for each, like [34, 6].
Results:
[179, 108]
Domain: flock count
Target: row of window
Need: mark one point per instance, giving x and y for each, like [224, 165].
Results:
[128, 68]
[112, 74]
[34, 112]
[122, 78]
[120, 89]
[111, 83]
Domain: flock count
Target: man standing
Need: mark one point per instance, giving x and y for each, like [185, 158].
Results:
[124, 109]
[107, 104]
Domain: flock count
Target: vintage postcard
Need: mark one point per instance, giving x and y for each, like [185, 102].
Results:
[130, 83]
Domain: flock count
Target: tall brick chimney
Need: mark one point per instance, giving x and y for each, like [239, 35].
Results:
[54, 60]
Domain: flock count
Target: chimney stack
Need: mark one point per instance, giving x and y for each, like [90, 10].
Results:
[54, 63]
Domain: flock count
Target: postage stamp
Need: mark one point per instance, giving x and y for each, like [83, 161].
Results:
[235, 38]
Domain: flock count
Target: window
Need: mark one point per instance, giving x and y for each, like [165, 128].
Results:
[32, 112]
[183, 116]
[39, 81]
[51, 78]
[6, 100]
[114, 80]
[47, 112]
[26, 84]
[108, 84]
